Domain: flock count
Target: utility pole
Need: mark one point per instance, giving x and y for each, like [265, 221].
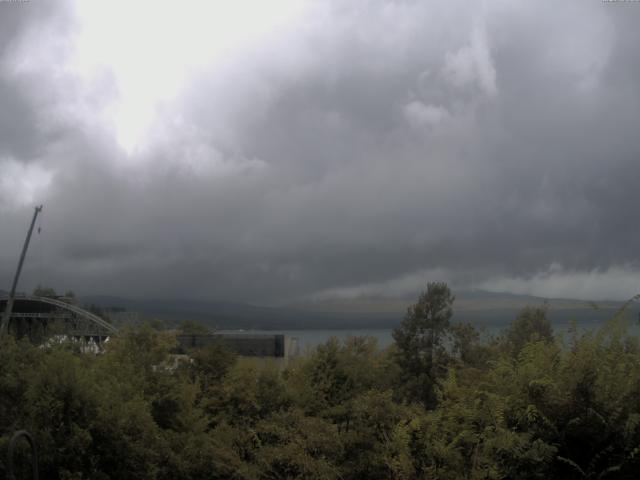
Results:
[4, 325]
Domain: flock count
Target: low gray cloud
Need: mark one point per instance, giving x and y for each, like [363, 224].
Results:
[360, 148]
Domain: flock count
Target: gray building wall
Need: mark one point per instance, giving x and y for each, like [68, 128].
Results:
[249, 345]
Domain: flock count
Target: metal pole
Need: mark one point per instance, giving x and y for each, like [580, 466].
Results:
[7, 312]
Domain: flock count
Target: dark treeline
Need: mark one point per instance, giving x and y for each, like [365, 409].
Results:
[442, 402]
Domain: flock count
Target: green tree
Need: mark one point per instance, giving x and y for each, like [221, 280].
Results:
[329, 380]
[41, 291]
[189, 327]
[419, 339]
[531, 325]
[210, 364]
[296, 446]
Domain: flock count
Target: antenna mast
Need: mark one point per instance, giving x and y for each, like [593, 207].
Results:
[4, 325]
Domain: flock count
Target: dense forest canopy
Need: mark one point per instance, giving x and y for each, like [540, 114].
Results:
[443, 402]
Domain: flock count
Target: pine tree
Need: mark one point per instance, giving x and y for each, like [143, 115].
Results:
[419, 338]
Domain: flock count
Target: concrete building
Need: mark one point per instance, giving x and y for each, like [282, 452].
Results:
[245, 344]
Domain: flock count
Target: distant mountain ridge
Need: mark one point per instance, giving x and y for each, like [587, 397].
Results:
[364, 313]
[477, 300]
[226, 315]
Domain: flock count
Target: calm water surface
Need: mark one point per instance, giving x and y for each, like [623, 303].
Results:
[309, 339]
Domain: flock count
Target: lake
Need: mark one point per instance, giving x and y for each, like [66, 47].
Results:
[311, 338]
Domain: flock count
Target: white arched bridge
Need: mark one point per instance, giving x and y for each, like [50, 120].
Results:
[41, 317]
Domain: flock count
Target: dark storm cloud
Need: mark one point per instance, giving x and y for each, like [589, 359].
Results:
[16, 115]
[366, 150]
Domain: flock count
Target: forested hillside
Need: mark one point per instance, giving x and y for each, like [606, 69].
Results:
[442, 402]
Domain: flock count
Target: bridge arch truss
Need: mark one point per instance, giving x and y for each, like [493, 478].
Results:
[40, 318]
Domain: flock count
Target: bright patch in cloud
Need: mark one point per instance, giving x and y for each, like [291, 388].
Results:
[472, 64]
[152, 47]
[420, 115]
[614, 283]
[404, 285]
[22, 184]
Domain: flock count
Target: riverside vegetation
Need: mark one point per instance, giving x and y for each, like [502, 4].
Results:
[442, 402]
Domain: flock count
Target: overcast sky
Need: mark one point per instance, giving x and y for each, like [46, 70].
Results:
[273, 151]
